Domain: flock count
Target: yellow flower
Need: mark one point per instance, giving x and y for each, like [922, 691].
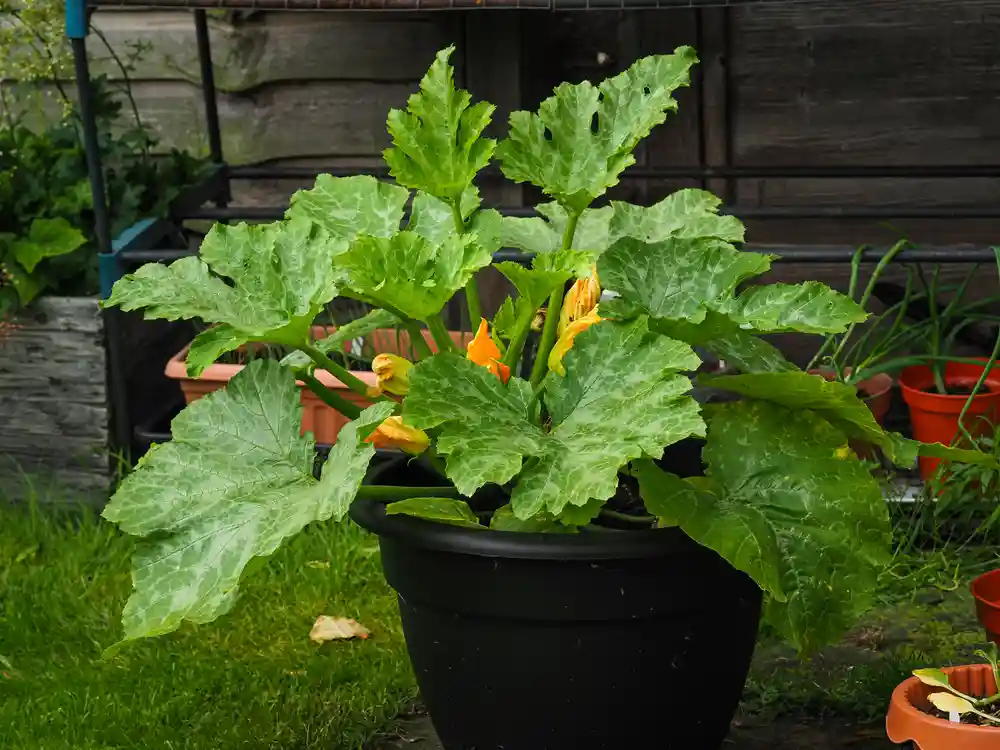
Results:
[392, 433]
[580, 300]
[565, 342]
[484, 352]
[392, 373]
[843, 451]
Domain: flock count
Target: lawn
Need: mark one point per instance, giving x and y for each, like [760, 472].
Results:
[253, 679]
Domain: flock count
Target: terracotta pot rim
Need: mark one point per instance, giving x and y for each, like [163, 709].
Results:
[906, 722]
[915, 378]
[978, 582]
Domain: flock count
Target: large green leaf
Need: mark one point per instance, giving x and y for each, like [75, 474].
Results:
[621, 398]
[350, 206]
[46, 238]
[725, 339]
[839, 404]
[682, 279]
[688, 214]
[233, 484]
[739, 531]
[281, 276]
[582, 137]
[810, 307]
[409, 273]
[436, 141]
[677, 278]
[544, 234]
[821, 504]
[488, 427]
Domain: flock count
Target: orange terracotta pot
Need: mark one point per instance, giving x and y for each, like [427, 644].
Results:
[934, 416]
[908, 720]
[986, 592]
[321, 420]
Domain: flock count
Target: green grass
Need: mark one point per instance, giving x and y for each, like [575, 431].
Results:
[252, 679]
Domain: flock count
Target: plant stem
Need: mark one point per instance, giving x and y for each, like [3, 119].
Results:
[521, 329]
[471, 289]
[330, 397]
[441, 336]
[982, 378]
[341, 373]
[388, 494]
[869, 289]
[548, 339]
[417, 340]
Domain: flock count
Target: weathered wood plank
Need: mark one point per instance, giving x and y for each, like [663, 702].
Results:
[321, 118]
[53, 413]
[275, 46]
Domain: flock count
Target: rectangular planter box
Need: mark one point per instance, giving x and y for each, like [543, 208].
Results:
[53, 403]
[323, 421]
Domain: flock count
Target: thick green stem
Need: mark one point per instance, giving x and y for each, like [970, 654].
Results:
[441, 336]
[417, 340]
[548, 339]
[471, 289]
[521, 330]
[330, 397]
[341, 373]
[390, 494]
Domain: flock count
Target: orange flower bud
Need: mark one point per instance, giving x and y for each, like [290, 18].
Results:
[392, 433]
[565, 342]
[392, 373]
[484, 352]
[580, 300]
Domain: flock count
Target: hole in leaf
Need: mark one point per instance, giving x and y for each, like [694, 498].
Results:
[595, 125]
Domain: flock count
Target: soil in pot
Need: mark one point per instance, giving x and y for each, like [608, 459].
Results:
[550, 642]
[934, 416]
[912, 718]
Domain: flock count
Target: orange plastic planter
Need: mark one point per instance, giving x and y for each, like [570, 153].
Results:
[321, 420]
[908, 720]
[934, 417]
[986, 590]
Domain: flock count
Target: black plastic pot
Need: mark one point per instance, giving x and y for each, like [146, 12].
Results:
[611, 640]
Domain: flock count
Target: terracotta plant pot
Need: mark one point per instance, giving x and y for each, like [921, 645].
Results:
[321, 420]
[908, 720]
[986, 590]
[876, 391]
[934, 417]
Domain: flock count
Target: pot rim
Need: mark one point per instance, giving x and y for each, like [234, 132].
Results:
[977, 584]
[913, 380]
[441, 537]
[904, 719]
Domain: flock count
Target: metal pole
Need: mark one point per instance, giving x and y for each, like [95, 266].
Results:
[76, 30]
[208, 85]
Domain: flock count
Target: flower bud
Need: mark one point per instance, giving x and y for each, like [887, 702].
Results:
[565, 341]
[392, 433]
[392, 373]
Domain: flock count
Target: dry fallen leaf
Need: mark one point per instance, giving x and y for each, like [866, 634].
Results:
[328, 628]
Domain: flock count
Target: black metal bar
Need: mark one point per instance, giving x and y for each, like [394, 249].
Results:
[744, 212]
[208, 85]
[121, 433]
[410, 5]
[785, 253]
[792, 171]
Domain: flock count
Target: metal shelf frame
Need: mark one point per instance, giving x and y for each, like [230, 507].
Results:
[157, 239]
